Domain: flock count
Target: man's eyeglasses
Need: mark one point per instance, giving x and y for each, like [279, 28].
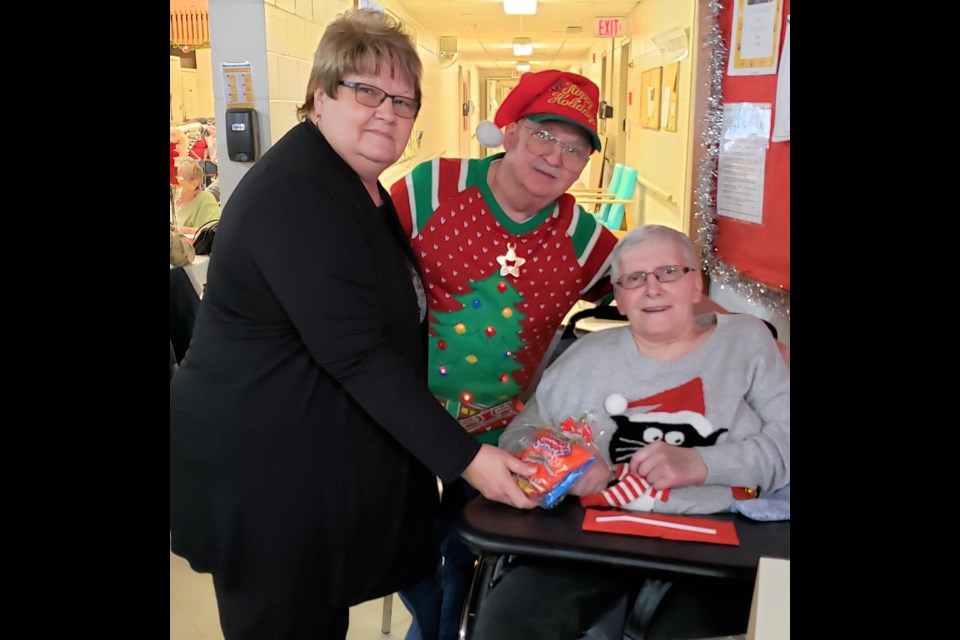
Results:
[637, 279]
[370, 96]
[541, 143]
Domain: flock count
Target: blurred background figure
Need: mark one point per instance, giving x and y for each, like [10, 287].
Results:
[195, 206]
[181, 251]
[214, 188]
[205, 151]
[178, 148]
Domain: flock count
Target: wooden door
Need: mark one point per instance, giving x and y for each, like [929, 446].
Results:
[191, 103]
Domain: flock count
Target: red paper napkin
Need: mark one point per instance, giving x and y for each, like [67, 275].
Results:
[658, 526]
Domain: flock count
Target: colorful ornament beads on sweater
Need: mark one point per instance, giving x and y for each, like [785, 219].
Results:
[497, 290]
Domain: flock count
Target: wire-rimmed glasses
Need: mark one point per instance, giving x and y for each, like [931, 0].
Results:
[668, 273]
[541, 143]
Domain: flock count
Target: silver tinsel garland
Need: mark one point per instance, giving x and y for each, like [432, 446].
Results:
[705, 205]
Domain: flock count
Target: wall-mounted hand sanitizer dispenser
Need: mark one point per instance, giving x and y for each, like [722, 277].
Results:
[243, 136]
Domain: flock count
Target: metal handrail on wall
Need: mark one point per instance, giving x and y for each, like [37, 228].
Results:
[657, 191]
[189, 25]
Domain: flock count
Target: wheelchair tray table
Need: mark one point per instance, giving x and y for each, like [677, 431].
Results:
[493, 528]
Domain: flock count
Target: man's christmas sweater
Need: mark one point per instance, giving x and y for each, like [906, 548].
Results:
[497, 289]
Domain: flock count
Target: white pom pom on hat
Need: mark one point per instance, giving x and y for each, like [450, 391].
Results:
[615, 404]
[548, 95]
[489, 135]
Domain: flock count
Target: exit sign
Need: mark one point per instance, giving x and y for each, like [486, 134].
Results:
[608, 27]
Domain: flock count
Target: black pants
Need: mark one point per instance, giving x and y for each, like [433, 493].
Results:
[560, 601]
[436, 604]
[275, 616]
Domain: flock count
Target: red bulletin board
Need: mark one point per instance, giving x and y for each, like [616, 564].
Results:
[759, 251]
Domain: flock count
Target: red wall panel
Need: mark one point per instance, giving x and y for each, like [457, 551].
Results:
[761, 252]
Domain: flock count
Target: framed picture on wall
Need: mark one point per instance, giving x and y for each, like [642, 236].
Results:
[755, 37]
[650, 98]
[668, 101]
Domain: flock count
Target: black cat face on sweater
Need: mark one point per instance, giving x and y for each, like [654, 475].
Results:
[630, 436]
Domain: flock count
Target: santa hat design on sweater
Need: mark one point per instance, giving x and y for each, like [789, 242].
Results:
[675, 416]
[546, 95]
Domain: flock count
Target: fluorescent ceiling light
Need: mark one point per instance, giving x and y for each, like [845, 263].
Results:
[520, 7]
[523, 66]
[522, 46]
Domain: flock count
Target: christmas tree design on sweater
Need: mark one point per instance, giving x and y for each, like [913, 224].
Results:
[477, 343]
[497, 289]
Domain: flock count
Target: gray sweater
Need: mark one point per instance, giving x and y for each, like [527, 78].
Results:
[745, 389]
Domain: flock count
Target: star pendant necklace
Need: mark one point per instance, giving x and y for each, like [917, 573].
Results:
[511, 256]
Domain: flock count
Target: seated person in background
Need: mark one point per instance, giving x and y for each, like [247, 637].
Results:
[200, 148]
[694, 409]
[194, 207]
[214, 188]
[205, 150]
[178, 149]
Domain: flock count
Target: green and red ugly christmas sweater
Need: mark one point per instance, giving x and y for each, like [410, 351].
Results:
[497, 289]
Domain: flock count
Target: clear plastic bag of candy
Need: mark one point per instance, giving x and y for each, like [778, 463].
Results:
[561, 456]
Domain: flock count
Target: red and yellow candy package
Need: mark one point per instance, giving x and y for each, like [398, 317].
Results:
[560, 461]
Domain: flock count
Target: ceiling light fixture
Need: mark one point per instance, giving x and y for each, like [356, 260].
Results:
[522, 46]
[520, 7]
[523, 66]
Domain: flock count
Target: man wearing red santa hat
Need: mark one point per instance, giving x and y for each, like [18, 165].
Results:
[505, 254]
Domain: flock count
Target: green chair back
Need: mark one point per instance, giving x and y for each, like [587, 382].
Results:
[604, 211]
[628, 182]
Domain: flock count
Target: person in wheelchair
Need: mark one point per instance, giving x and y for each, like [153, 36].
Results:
[692, 416]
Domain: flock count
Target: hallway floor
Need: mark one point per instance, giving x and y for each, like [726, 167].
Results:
[193, 610]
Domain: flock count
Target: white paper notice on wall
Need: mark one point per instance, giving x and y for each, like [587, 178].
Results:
[756, 37]
[237, 84]
[742, 161]
[781, 122]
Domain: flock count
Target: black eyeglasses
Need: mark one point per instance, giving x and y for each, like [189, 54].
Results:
[541, 143]
[370, 96]
[637, 279]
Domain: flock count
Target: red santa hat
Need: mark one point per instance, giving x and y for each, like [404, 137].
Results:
[546, 95]
[680, 405]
